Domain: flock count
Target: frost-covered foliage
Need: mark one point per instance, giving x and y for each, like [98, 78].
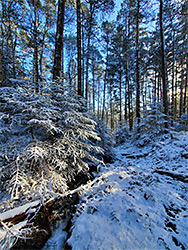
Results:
[153, 120]
[151, 126]
[10, 232]
[183, 123]
[184, 118]
[45, 142]
[121, 135]
[107, 141]
[9, 236]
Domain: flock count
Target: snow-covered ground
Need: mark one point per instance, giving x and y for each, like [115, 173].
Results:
[135, 203]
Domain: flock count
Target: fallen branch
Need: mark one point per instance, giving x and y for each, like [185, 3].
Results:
[17, 220]
[179, 177]
[135, 156]
[12, 215]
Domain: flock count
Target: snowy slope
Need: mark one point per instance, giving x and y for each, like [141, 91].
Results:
[132, 206]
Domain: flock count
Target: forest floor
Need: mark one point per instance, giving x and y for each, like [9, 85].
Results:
[138, 202]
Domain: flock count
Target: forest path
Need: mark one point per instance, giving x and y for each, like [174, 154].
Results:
[134, 203]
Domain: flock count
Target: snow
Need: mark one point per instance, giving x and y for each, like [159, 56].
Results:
[58, 238]
[13, 231]
[9, 232]
[18, 210]
[131, 206]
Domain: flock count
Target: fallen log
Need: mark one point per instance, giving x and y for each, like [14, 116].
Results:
[179, 177]
[135, 156]
[41, 214]
[16, 214]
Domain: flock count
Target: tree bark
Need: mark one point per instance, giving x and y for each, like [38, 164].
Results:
[82, 58]
[1, 72]
[87, 62]
[125, 97]
[137, 65]
[173, 75]
[158, 88]
[111, 107]
[120, 95]
[155, 87]
[129, 101]
[105, 79]
[93, 73]
[98, 98]
[59, 40]
[127, 73]
[185, 101]
[79, 66]
[163, 64]
[91, 13]
[14, 44]
[175, 92]
[181, 91]
[36, 69]
[42, 49]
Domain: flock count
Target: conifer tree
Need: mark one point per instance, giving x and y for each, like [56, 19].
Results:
[93, 8]
[79, 72]
[36, 64]
[1, 71]
[163, 62]
[137, 62]
[59, 40]
[107, 28]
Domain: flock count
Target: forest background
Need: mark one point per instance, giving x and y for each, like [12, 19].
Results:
[78, 78]
[122, 67]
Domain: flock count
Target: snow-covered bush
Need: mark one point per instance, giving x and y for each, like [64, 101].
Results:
[153, 119]
[45, 142]
[122, 134]
[184, 121]
[106, 142]
[152, 124]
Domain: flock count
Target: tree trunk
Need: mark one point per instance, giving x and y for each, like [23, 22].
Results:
[62, 61]
[155, 87]
[120, 95]
[79, 66]
[129, 103]
[82, 58]
[105, 81]
[42, 49]
[131, 123]
[87, 62]
[91, 12]
[14, 44]
[185, 102]
[93, 73]
[125, 115]
[59, 40]
[175, 92]
[127, 73]
[181, 92]
[98, 99]
[173, 74]
[69, 74]
[163, 64]
[36, 70]
[158, 87]
[137, 65]
[1, 72]
[111, 107]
